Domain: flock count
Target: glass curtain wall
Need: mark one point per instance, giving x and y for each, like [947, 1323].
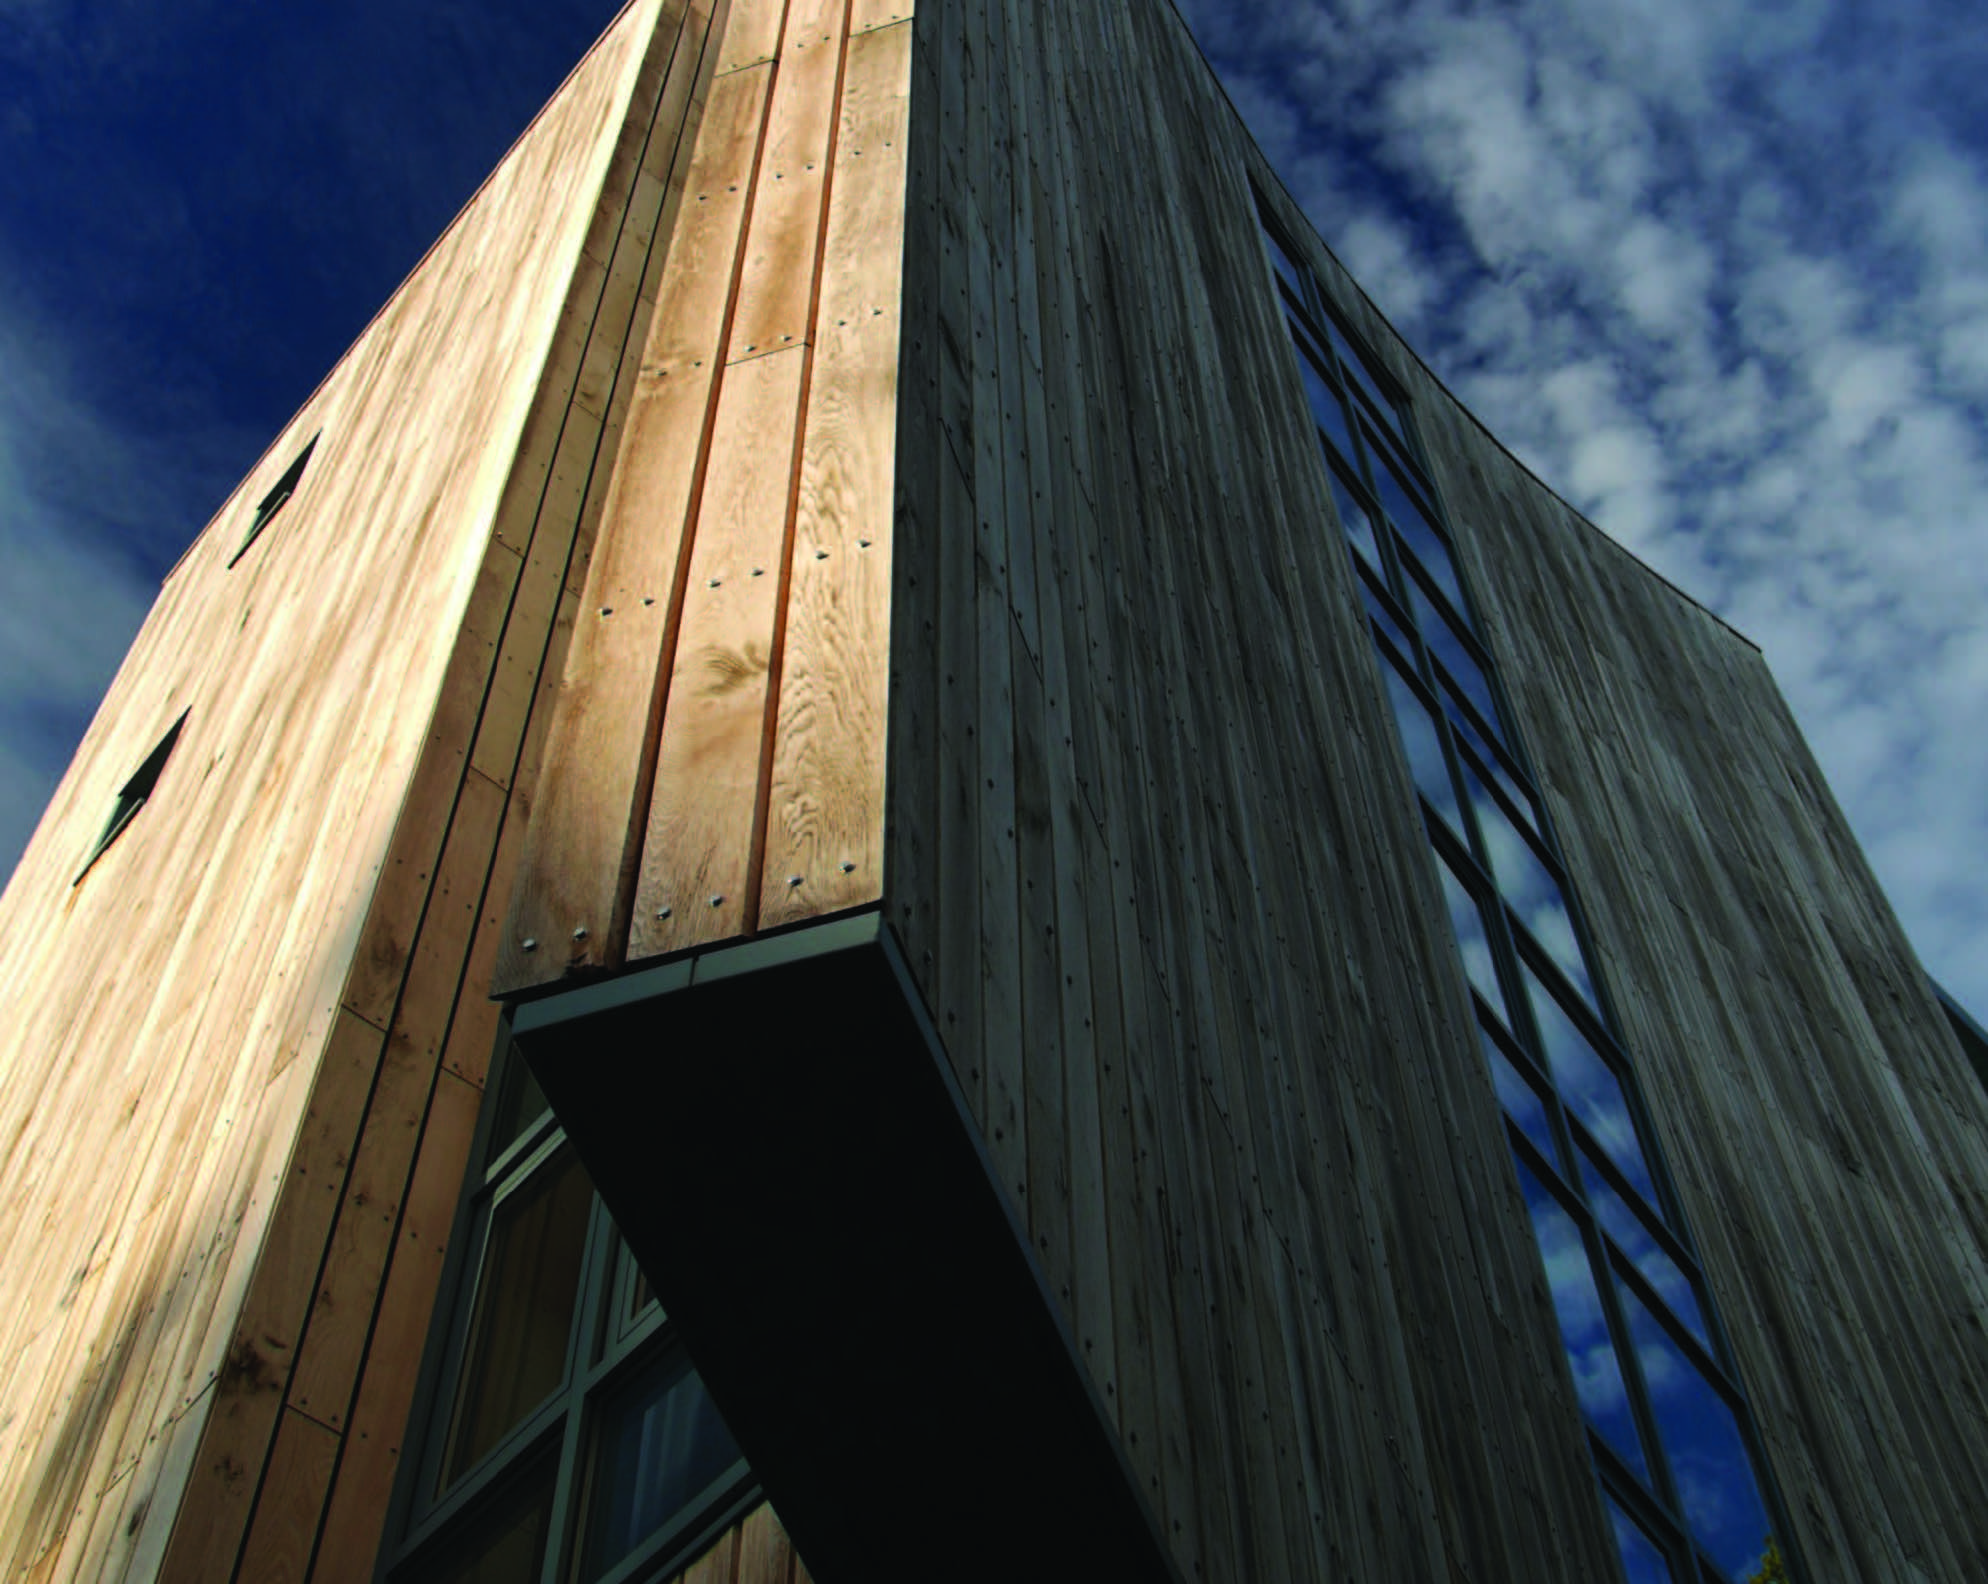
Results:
[1668, 1425]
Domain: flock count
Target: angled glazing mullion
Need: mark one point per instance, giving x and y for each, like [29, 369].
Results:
[1499, 777]
[1670, 1539]
[1661, 1232]
[1626, 1270]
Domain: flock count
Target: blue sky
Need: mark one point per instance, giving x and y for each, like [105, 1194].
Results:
[1718, 273]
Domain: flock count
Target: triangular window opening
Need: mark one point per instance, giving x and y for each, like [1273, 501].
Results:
[132, 798]
[272, 503]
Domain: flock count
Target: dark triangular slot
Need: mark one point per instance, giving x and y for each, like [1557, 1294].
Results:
[272, 503]
[133, 795]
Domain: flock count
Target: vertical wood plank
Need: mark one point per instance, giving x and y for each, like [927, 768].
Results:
[292, 1501]
[783, 241]
[356, 1507]
[590, 809]
[697, 850]
[766, 1555]
[826, 803]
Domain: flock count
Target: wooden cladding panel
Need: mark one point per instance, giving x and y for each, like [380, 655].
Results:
[293, 911]
[1823, 1131]
[1157, 868]
[582, 840]
[824, 827]
[721, 719]
[777, 275]
[1156, 865]
[756, 1550]
[697, 853]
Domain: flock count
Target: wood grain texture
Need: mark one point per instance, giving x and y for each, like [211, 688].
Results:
[778, 273]
[1236, 1093]
[593, 800]
[1177, 883]
[182, 1147]
[824, 838]
[697, 849]
[694, 775]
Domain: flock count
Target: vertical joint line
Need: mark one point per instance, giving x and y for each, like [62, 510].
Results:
[777, 656]
[621, 926]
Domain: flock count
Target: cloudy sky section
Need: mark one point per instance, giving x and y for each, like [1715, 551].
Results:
[1719, 274]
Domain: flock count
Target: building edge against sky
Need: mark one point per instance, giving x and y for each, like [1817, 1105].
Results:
[1041, 640]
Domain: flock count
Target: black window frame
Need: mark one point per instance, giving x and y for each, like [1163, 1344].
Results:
[278, 497]
[134, 795]
[606, 1349]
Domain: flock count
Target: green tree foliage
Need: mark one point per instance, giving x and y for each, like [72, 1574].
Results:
[1772, 1569]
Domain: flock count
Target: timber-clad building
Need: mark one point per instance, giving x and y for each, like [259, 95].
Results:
[881, 851]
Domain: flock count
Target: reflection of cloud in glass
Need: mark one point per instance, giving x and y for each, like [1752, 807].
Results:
[1418, 533]
[1480, 745]
[1326, 410]
[1626, 1227]
[1588, 1086]
[1383, 619]
[1583, 1330]
[1702, 1443]
[1448, 648]
[1471, 939]
[1423, 747]
[1528, 885]
[1553, 927]
[1641, 1560]
[1518, 1098]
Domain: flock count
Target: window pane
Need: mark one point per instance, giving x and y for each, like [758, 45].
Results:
[1621, 1222]
[1449, 648]
[1641, 1560]
[519, 1104]
[1583, 1329]
[1471, 938]
[1418, 534]
[1702, 1443]
[1282, 262]
[1394, 443]
[1324, 403]
[1424, 747]
[501, 1542]
[1588, 1086]
[1364, 377]
[1528, 886]
[659, 1446]
[1523, 878]
[524, 1308]
[1521, 1101]
[1383, 617]
[1480, 744]
[1358, 523]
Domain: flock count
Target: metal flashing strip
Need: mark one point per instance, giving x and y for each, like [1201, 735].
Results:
[777, 1131]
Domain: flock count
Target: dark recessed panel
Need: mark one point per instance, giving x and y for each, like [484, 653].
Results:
[782, 1146]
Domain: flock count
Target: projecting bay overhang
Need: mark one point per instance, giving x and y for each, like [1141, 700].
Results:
[779, 1136]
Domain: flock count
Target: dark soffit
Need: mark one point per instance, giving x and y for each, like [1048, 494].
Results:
[778, 1133]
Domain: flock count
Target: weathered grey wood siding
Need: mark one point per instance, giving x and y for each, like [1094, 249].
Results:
[1155, 854]
[242, 1059]
[1825, 1131]
[1155, 859]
